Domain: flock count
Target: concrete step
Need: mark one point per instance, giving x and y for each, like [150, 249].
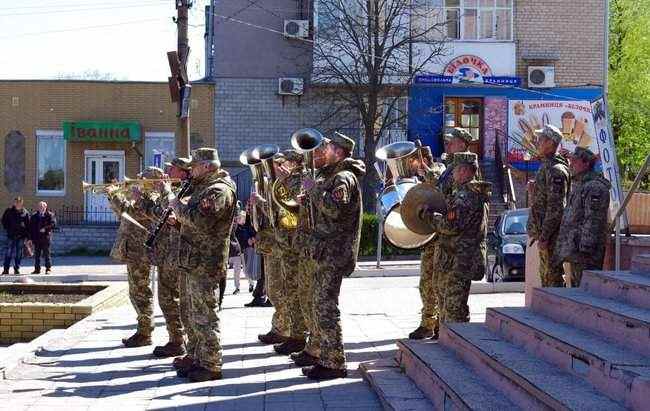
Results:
[446, 380]
[529, 382]
[615, 320]
[623, 286]
[620, 373]
[641, 264]
[394, 388]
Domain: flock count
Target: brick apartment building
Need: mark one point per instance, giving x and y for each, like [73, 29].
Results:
[494, 47]
[60, 133]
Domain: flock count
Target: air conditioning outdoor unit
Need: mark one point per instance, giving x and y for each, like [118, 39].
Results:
[296, 29]
[541, 76]
[291, 86]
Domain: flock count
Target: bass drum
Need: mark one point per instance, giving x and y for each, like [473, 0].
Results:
[395, 231]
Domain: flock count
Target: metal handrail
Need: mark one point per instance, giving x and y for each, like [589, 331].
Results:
[511, 190]
[616, 223]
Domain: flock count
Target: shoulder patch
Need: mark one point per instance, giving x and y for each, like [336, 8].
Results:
[340, 194]
[451, 215]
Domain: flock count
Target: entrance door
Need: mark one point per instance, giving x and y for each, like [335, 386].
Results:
[102, 168]
[466, 113]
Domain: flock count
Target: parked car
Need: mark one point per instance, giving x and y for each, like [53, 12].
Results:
[508, 243]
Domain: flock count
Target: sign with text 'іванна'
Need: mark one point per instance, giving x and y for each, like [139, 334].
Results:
[120, 131]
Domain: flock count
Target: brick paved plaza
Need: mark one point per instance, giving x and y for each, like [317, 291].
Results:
[89, 369]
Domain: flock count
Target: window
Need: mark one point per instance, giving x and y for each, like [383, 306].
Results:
[50, 149]
[479, 19]
[159, 148]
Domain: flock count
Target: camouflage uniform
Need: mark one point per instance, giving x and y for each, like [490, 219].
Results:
[275, 282]
[430, 269]
[129, 248]
[548, 202]
[583, 233]
[206, 221]
[463, 232]
[334, 246]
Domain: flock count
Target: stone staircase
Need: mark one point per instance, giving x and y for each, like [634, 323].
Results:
[584, 348]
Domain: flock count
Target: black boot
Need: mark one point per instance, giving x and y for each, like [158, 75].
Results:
[169, 350]
[271, 337]
[200, 374]
[421, 333]
[290, 346]
[303, 359]
[136, 340]
[257, 302]
[319, 373]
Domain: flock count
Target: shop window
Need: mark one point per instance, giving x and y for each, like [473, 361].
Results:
[51, 151]
[479, 19]
[465, 113]
[159, 148]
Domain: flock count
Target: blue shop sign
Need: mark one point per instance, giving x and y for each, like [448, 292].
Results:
[496, 80]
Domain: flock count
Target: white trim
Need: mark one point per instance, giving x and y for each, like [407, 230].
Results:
[52, 133]
[159, 134]
[91, 153]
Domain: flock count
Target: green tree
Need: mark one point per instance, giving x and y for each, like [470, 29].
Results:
[629, 82]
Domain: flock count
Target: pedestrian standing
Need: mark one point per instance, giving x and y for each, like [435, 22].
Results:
[236, 259]
[15, 221]
[41, 224]
[245, 233]
[549, 197]
[583, 232]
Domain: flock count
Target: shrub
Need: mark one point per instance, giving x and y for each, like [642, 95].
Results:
[368, 244]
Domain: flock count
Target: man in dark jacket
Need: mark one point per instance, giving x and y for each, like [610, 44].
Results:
[15, 221]
[41, 225]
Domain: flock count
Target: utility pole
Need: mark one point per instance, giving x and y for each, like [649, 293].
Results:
[184, 97]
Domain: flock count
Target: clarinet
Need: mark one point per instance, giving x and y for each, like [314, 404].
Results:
[151, 240]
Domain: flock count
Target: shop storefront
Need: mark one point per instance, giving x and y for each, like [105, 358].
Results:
[59, 134]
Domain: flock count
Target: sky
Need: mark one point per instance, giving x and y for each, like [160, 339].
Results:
[126, 39]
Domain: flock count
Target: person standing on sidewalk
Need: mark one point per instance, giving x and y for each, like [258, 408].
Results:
[15, 221]
[550, 191]
[236, 257]
[41, 225]
[435, 261]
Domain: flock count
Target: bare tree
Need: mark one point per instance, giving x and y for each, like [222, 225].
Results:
[365, 55]
[90, 75]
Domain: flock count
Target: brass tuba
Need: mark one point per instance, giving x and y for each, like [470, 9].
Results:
[257, 171]
[306, 141]
[265, 154]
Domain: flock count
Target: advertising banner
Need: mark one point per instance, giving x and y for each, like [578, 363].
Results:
[573, 118]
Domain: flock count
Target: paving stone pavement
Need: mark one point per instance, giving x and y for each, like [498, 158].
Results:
[90, 370]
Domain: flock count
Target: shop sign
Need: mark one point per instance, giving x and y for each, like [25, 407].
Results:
[495, 80]
[605, 141]
[468, 69]
[118, 131]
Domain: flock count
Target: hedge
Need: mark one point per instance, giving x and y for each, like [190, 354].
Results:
[368, 245]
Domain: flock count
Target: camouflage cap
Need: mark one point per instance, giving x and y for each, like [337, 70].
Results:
[551, 132]
[343, 141]
[466, 158]
[460, 133]
[152, 173]
[204, 154]
[584, 154]
[182, 163]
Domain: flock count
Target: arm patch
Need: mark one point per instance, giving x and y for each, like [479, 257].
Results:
[340, 194]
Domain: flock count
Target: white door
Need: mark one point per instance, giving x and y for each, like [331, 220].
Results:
[102, 168]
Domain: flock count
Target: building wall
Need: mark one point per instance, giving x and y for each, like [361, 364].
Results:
[79, 238]
[243, 51]
[44, 105]
[572, 31]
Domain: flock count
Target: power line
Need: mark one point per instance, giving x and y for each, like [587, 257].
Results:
[58, 6]
[13, 36]
[83, 10]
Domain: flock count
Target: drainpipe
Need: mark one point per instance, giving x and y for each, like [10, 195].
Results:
[135, 148]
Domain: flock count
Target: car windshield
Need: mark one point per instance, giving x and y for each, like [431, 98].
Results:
[515, 224]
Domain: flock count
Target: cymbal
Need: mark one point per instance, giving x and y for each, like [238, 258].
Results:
[421, 195]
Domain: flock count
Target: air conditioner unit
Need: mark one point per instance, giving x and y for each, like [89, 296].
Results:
[541, 76]
[296, 29]
[291, 86]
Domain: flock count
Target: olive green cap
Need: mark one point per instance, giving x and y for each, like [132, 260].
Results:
[460, 133]
[584, 154]
[551, 132]
[343, 141]
[204, 154]
[466, 158]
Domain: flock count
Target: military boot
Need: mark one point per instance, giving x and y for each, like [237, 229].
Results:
[169, 350]
[318, 373]
[200, 374]
[136, 340]
[184, 372]
[271, 337]
[421, 333]
[182, 362]
[304, 359]
[290, 346]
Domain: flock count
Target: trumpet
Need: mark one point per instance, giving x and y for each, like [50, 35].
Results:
[122, 185]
